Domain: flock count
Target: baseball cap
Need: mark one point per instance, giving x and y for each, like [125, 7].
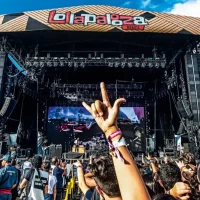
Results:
[7, 158]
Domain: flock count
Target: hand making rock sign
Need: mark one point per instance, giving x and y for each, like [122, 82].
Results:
[130, 182]
[105, 114]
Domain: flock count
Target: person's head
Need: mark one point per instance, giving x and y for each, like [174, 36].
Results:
[55, 161]
[37, 161]
[152, 185]
[169, 174]
[187, 158]
[6, 160]
[46, 166]
[105, 177]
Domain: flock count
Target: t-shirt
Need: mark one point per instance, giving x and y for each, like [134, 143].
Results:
[88, 194]
[29, 176]
[8, 177]
[51, 183]
[57, 172]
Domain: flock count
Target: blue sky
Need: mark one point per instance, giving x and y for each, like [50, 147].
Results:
[174, 6]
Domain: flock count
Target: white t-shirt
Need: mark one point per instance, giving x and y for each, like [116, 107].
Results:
[51, 184]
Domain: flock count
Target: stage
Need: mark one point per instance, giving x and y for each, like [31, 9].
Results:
[151, 59]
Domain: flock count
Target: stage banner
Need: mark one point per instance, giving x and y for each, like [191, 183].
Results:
[100, 19]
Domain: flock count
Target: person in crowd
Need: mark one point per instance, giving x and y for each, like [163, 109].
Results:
[130, 181]
[58, 173]
[26, 166]
[50, 190]
[187, 158]
[14, 190]
[35, 181]
[8, 178]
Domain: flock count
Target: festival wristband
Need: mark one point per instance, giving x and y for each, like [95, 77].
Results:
[79, 167]
[115, 134]
[113, 147]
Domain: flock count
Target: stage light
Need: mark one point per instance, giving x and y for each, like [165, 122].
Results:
[150, 64]
[70, 64]
[157, 64]
[117, 64]
[35, 64]
[123, 64]
[41, 64]
[75, 65]
[110, 64]
[82, 64]
[62, 64]
[163, 64]
[55, 64]
[49, 64]
[137, 64]
[143, 64]
[130, 64]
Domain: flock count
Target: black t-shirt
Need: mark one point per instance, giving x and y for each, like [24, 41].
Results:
[95, 195]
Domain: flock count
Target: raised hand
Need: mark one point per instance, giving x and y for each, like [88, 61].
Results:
[105, 114]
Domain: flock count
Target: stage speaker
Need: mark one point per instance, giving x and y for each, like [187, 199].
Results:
[58, 152]
[52, 150]
[8, 107]
[184, 109]
[4, 148]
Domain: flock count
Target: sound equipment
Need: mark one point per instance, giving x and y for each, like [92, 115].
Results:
[74, 149]
[4, 148]
[58, 152]
[81, 149]
[52, 150]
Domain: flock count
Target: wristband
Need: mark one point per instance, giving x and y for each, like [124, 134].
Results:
[182, 168]
[115, 134]
[119, 143]
[79, 167]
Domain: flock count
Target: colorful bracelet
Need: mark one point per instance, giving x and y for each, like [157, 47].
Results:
[115, 134]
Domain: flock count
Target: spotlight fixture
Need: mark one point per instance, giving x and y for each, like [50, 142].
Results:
[70, 64]
[137, 64]
[157, 64]
[130, 64]
[75, 65]
[110, 64]
[82, 64]
[123, 64]
[117, 64]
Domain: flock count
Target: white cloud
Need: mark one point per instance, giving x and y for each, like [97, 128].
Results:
[188, 8]
[126, 3]
[145, 3]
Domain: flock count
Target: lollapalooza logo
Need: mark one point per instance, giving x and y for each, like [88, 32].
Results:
[124, 21]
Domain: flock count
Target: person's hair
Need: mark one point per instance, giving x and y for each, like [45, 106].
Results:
[187, 158]
[105, 176]
[54, 160]
[46, 166]
[152, 185]
[13, 162]
[169, 174]
[37, 161]
[192, 180]
[164, 197]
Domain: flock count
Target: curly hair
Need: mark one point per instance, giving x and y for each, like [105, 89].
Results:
[192, 180]
[187, 158]
[105, 176]
[36, 161]
[169, 174]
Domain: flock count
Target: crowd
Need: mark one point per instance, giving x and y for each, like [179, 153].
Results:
[113, 175]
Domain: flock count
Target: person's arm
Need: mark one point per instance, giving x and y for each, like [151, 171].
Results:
[130, 182]
[13, 186]
[81, 180]
[54, 192]
[23, 184]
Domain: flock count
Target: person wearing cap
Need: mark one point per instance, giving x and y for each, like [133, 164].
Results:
[8, 178]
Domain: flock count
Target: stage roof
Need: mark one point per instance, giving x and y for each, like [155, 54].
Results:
[99, 19]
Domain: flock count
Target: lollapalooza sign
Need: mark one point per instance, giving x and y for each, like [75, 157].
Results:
[124, 21]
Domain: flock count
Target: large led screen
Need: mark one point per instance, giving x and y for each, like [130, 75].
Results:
[67, 123]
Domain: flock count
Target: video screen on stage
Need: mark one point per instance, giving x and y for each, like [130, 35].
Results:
[67, 123]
